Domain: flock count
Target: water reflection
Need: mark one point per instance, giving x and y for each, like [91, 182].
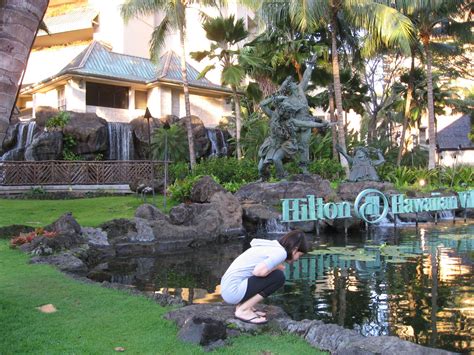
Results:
[417, 286]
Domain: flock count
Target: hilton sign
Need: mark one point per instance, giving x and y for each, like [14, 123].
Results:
[371, 206]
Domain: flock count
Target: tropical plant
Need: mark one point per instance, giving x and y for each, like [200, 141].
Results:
[174, 18]
[436, 18]
[173, 140]
[226, 33]
[15, 14]
[254, 132]
[58, 122]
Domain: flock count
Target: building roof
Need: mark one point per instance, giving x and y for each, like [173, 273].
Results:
[99, 61]
[77, 19]
[455, 135]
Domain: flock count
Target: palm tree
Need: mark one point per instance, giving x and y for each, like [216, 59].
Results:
[174, 19]
[15, 49]
[226, 33]
[382, 25]
[433, 18]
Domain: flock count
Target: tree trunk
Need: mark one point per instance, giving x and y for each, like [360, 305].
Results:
[333, 119]
[406, 114]
[338, 94]
[19, 22]
[187, 104]
[238, 122]
[431, 116]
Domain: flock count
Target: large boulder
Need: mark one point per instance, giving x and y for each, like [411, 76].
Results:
[204, 189]
[43, 114]
[271, 193]
[46, 146]
[89, 132]
[348, 191]
[10, 137]
[16, 154]
[201, 141]
[141, 135]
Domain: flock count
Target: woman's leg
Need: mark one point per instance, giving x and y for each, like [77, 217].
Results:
[257, 289]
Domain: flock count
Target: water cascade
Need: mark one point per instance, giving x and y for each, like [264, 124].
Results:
[218, 142]
[21, 141]
[273, 225]
[120, 141]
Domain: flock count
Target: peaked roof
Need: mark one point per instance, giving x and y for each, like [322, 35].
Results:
[99, 61]
[77, 19]
[455, 135]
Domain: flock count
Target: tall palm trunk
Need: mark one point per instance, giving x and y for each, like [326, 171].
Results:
[333, 119]
[406, 113]
[238, 121]
[338, 93]
[431, 116]
[187, 104]
[19, 22]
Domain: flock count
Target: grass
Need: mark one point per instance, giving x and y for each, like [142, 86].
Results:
[94, 320]
[87, 211]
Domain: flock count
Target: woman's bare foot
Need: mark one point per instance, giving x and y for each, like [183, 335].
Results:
[254, 310]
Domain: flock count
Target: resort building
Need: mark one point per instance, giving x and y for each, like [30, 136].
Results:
[94, 61]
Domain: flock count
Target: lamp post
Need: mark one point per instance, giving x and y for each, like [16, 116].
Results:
[166, 127]
[148, 116]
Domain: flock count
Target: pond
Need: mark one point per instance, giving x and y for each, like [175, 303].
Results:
[416, 284]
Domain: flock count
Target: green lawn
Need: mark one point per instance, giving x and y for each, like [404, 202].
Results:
[94, 320]
[87, 211]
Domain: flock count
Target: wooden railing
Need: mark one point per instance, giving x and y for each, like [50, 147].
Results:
[59, 172]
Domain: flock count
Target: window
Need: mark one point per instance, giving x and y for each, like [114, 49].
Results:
[106, 95]
[140, 99]
[61, 98]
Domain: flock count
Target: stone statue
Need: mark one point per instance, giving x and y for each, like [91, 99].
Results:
[290, 126]
[362, 166]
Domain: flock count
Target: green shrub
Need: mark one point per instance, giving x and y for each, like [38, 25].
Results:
[58, 122]
[228, 169]
[178, 170]
[329, 169]
[181, 189]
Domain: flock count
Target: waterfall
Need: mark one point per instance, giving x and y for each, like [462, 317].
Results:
[224, 143]
[120, 141]
[273, 225]
[218, 143]
[445, 214]
[30, 132]
[211, 134]
[19, 135]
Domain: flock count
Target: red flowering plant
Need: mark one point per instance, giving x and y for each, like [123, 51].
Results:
[24, 238]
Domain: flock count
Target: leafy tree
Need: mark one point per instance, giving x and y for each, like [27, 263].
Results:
[174, 19]
[175, 140]
[226, 33]
[435, 19]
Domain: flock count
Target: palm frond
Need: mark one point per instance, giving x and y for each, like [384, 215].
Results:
[135, 8]
[203, 73]
[232, 75]
[157, 39]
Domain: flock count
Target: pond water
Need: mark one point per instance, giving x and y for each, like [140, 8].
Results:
[415, 284]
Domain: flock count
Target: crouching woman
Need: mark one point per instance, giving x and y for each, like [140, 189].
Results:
[258, 272]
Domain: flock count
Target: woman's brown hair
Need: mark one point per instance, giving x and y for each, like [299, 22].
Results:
[294, 240]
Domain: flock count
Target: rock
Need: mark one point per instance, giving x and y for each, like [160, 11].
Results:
[124, 230]
[17, 154]
[43, 114]
[9, 141]
[201, 141]
[270, 194]
[202, 331]
[140, 184]
[46, 146]
[89, 132]
[348, 191]
[149, 212]
[66, 262]
[204, 189]
[229, 208]
[66, 224]
[141, 135]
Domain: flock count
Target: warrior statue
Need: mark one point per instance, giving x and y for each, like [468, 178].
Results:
[362, 166]
[290, 126]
